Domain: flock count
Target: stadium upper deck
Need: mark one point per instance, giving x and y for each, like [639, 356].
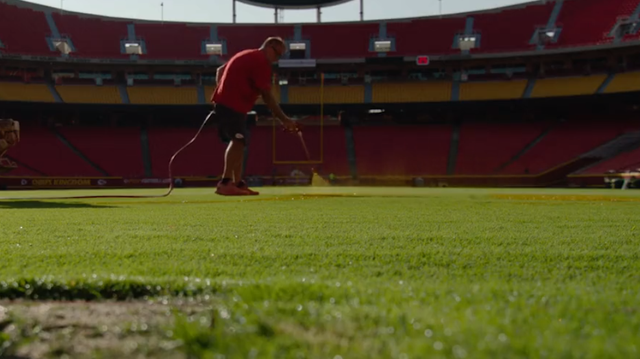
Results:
[31, 30]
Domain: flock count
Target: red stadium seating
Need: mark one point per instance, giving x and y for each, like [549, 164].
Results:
[205, 157]
[588, 22]
[23, 31]
[511, 30]
[21, 171]
[402, 150]
[565, 143]
[289, 149]
[93, 37]
[425, 36]
[260, 161]
[242, 37]
[116, 150]
[40, 149]
[340, 40]
[173, 41]
[624, 161]
[483, 147]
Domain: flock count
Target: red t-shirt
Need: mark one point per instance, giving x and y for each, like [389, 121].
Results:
[243, 77]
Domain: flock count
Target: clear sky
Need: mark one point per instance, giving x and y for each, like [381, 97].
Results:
[219, 11]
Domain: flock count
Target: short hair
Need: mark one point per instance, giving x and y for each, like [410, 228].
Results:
[272, 41]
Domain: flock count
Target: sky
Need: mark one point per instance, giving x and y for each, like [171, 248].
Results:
[220, 11]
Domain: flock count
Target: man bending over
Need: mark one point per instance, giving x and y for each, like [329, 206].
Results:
[240, 81]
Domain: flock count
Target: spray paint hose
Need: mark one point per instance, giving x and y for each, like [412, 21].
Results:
[166, 194]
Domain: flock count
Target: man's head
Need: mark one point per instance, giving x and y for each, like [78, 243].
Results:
[274, 48]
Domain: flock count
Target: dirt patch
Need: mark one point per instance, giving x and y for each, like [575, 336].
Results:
[139, 329]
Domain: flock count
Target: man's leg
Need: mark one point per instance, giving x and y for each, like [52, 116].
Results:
[233, 160]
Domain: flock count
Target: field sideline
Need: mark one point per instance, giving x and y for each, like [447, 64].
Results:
[323, 273]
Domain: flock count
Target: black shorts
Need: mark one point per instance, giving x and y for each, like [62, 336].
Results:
[231, 124]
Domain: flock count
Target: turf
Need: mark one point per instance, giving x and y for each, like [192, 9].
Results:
[350, 272]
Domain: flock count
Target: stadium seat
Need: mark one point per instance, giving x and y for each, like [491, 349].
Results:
[331, 94]
[242, 37]
[89, 94]
[15, 91]
[568, 86]
[484, 147]
[173, 41]
[402, 150]
[340, 40]
[494, 90]
[24, 31]
[411, 92]
[208, 92]
[623, 162]
[40, 149]
[205, 157]
[589, 22]
[167, 95]
[288, 148]
[566, 142]
[425, 36]
[510, 29]
[116, 150]
[93, 37]
[624, 82]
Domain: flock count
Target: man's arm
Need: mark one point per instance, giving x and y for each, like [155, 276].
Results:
[219, 72]
[273, 105]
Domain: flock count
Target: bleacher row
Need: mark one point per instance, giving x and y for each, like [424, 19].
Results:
[479, 149]
[24, 30]
[380, 92]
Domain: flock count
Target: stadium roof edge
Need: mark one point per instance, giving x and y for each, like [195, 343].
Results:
[330, 3]
[33, 6]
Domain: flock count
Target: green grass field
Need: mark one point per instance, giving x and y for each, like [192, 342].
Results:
[332, 272]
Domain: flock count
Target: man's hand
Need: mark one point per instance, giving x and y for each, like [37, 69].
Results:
[290, 126]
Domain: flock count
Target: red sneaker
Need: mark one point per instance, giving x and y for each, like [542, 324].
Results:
[230, 189]
[243, 186]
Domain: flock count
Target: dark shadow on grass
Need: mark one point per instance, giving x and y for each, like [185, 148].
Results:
[15, 204]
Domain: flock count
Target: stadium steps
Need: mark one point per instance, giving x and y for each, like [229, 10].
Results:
[54, 92]
[146, 153]
[624, 143]
[524, 150]
[554, 14]
[201, 95]
[605, 83]
[453, 149]
[351, 151]
[557, 176]
[368, 93]
[52, 25]
[122, 88]
[529, 89]
[79, 153]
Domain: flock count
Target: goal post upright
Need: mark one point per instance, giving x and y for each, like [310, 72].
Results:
[310, 161]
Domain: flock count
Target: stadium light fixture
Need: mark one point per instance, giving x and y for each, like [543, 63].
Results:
[62, 45]
[467, 42]
[376, 110]
[283, 82]
[213, 49]
[382, 46]
[132, 48]
[297, 46]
